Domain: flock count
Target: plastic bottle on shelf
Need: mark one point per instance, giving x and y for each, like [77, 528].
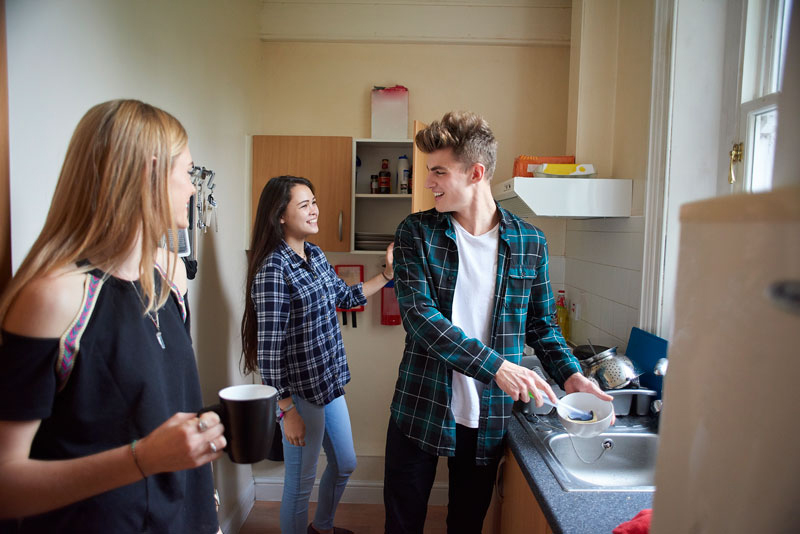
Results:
[403, 175]
[562, 312]
[385, 177]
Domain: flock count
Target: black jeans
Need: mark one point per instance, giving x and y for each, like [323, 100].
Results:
[408, 479]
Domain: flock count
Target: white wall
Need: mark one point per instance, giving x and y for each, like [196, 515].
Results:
[604, 278]
[697, 87]
[608, 125]
[786, 157]
[593, 83]
[192, 58]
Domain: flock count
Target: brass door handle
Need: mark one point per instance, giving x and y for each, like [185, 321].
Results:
[736, 154]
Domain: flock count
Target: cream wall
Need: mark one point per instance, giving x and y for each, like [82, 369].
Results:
[324, 89]
[632, 96]
[610, 86]
[609, 109]
[593, 83]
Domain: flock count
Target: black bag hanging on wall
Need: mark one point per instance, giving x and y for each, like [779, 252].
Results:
[276, 450]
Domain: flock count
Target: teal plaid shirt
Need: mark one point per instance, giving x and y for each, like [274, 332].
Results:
[425, 267]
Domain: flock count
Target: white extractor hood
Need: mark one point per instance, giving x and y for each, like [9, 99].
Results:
[565, 197]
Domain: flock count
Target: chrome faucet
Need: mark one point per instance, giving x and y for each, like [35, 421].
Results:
[661, 367]
[660, 370]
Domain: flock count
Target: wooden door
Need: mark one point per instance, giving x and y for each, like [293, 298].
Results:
[520, 510]
[5, 203]
[327, 163]
[421, 198]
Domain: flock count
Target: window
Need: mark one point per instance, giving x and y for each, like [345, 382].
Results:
[766, 34]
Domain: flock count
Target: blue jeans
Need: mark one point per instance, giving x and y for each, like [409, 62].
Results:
[327, 427]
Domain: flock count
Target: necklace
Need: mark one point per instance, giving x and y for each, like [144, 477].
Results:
[153, 318]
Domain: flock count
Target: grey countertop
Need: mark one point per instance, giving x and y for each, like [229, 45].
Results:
[576, 512]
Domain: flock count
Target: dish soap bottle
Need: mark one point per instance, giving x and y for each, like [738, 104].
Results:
[562, 313]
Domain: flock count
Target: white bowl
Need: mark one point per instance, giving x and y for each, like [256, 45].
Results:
[603, 410]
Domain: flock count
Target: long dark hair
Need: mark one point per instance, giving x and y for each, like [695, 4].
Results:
[266, 236]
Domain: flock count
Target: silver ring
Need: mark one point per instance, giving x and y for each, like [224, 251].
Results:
[201, 425]
[213, 446]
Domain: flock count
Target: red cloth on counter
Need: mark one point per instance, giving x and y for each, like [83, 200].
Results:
[640, 524]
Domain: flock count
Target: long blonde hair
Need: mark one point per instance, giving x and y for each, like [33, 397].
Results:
[113, 185]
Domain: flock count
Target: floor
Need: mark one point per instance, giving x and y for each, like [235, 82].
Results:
[360, 518]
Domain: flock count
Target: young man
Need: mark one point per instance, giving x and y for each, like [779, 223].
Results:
[473, 288]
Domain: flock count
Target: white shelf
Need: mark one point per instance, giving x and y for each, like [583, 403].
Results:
[373, 252]
[385, 143]
[378, 196]
[375, 212]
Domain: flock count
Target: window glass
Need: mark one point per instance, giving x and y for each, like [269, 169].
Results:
[765, 128]
[766, 36]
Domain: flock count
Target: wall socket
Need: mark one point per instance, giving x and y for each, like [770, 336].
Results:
[575, 311]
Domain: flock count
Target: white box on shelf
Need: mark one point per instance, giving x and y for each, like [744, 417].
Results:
[390, 112]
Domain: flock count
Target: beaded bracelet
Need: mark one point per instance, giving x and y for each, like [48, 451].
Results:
[283, 412]
[135, 459]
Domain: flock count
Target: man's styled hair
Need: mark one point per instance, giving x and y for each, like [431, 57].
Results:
[467, 134]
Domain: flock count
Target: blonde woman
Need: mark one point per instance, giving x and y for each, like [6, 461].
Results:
[99, 387]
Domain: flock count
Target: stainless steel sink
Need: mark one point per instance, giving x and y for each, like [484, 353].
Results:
[621, 459]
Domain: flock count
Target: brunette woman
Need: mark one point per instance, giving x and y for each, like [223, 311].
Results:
[291, 335]
[99, 387]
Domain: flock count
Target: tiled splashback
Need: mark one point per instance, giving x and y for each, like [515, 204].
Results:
[601, 271]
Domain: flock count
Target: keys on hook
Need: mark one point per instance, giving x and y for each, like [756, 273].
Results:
[203, 180]
[196, 173]
[211, 213]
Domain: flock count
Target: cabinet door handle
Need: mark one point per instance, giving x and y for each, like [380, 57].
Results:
[341, 221]
[498, 482]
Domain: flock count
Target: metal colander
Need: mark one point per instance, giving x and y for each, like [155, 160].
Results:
[612, 371]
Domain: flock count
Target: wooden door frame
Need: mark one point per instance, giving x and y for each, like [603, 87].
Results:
[5, 182]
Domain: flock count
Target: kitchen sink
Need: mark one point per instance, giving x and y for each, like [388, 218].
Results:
[621, 459]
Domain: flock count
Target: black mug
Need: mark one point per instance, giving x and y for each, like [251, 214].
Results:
[248, 414]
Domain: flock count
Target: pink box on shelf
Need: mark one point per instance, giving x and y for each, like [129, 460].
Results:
[390, 112]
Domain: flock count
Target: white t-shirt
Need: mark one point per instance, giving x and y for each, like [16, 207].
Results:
[473, 303]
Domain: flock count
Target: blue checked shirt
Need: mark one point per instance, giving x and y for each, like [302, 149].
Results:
[425, 270]
[300, 349]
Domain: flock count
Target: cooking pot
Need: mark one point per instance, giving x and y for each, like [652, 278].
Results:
[584, 352]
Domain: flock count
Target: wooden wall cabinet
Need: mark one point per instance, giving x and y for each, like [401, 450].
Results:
[327, 162]
[342, 189]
